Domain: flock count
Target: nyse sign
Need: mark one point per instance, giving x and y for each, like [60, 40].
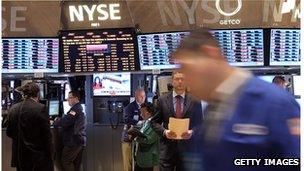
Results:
[100, 12]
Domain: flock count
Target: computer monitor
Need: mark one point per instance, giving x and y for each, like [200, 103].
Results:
[99, 50]
[155, 49]
[241, 47]
[285, 47]
[112, 84]
[30, 55]
[53, 107]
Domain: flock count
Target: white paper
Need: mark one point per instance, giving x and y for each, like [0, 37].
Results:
[179, 126]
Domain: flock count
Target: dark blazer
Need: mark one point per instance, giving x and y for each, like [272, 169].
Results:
[73, 127]
[165, 109]
[130, 111]
[32, 139]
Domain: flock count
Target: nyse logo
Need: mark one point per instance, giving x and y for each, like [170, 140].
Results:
[288, 6]
[101, 11]
[229, 14]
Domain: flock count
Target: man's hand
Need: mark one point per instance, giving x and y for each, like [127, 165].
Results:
[187, 135]
[170, 134]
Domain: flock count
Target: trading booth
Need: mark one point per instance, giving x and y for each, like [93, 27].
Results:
[109, 52]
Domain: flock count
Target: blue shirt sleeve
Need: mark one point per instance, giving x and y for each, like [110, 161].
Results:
[285, 127]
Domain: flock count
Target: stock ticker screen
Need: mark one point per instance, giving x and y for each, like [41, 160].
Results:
[241, 47]
[155, 49]
[103, 50]
[285, 47]
[30, 55]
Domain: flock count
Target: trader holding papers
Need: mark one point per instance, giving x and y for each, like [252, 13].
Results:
[174, 151]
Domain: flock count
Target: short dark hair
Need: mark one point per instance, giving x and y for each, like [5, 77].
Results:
[278, 79]
[29, 90]
[149, 106]
[197, 38]
[75, 94]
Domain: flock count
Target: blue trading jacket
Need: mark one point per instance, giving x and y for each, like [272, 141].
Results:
[259, 128]
[73, 128]
[131, 117]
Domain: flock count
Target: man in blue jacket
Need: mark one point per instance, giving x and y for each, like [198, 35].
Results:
[73, 126]
[247, 119]
[131, 117]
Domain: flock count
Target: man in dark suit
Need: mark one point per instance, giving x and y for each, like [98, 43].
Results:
[131, 117]
[179, 154]
[29, 127]
[73, 132]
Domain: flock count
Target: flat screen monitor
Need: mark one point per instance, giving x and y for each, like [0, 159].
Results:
[285, 47]
[67, 107]
[297, 85]
[100, 50]
[30, 55]
[267, 78]
[54, 107]
[241, 47]
[112, 84]
[155, 49]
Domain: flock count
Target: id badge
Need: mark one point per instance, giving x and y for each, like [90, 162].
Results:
[136, 117]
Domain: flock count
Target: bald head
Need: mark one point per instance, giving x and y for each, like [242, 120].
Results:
[140, 95]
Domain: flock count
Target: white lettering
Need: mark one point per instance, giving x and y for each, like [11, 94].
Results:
[164, 9]
[78, 13]
[189, 11]
[14, 18]
[219, 9]
[247, 162]
[104, 13]
[4, 23]
[90, 12]
[114, 11]
[213, 11]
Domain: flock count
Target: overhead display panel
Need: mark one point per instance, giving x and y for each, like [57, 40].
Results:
[285, 47]
[155, 49]
[30, 55]
[241, 47]
[102, 50]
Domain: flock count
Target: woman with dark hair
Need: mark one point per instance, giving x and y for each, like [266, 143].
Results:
[97, 83]
[29, 128]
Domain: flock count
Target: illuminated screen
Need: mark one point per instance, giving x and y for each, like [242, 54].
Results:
[155, 49]
[285, 47]
[30, 55]
[241, 47]
[53, 107]
[267, 78]
[102, 50]
[112, 84]
[297, 85]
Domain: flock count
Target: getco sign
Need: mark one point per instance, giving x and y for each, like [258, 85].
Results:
[229, 21]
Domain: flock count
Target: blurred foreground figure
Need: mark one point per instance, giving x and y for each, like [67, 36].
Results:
[29, 127]
[248, 118]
